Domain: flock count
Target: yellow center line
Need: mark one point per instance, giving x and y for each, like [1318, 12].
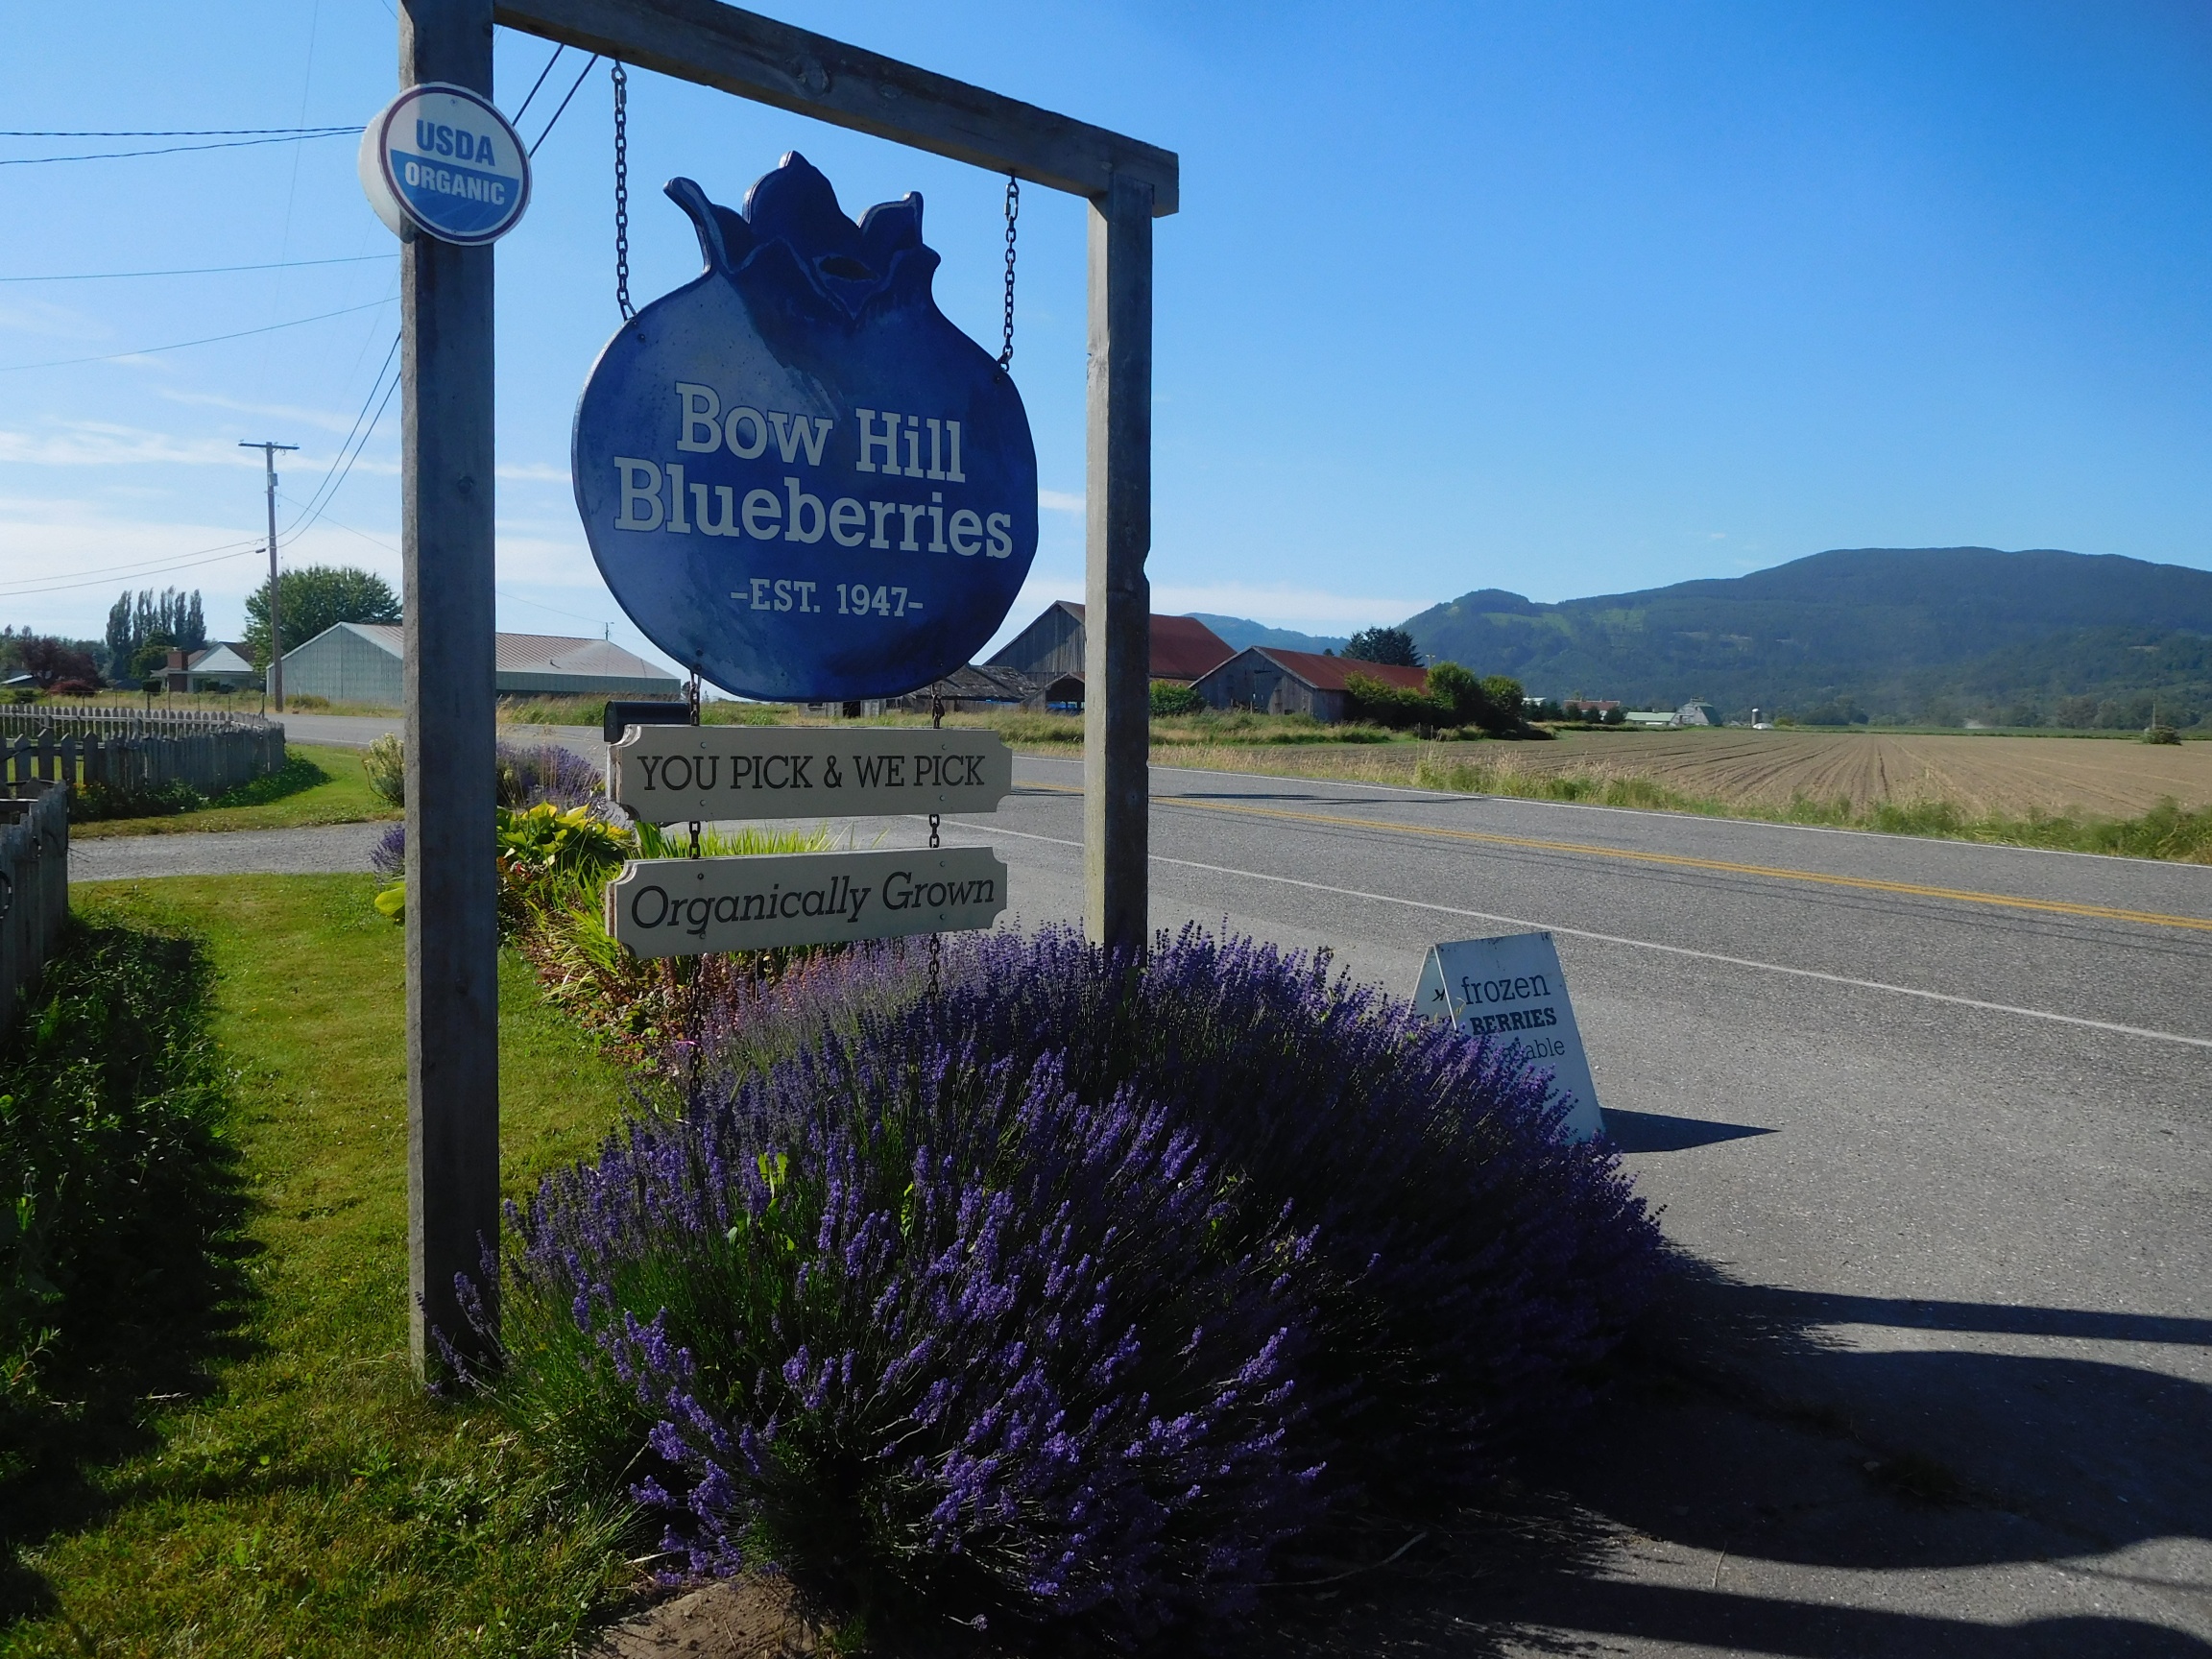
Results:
[1681, 861]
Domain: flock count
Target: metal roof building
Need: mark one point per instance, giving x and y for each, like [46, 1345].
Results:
[360, 662]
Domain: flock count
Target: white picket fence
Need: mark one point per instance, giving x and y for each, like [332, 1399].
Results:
[33, 886]
[127, 752]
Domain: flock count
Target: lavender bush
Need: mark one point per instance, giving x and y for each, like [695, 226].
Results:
[546, 772]
[1078, 1287]
[522, 776]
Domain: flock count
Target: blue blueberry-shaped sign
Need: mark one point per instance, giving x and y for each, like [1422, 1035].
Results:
[796, 474]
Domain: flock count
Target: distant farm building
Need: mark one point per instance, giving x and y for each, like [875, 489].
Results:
[1049, 651]
[1697, 714]
[360, 662]
[1277, 682]
[219, 667]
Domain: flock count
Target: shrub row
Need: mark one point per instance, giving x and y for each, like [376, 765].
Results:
[114, 1179]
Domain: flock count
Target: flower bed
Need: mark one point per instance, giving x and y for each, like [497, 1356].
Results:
[1071, 1287]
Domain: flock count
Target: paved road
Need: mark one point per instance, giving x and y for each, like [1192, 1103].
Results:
[1936, 1118]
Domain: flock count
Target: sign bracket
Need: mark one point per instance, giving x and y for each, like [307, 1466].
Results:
[446, 490]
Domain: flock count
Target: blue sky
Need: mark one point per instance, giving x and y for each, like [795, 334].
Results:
[1560, 298]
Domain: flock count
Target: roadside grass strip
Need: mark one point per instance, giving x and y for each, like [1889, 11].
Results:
[294, 1493]
[318, 786]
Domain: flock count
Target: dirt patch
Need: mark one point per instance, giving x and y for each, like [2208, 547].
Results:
[751, 1618]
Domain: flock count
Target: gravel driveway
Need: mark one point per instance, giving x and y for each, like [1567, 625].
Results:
[335, 847]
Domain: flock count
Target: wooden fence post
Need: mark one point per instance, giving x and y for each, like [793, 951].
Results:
[452, 885]
[1118, 596]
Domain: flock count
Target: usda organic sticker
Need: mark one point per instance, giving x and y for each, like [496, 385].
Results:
[441, 160]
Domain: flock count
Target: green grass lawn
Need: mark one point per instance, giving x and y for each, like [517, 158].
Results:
[310, 1500]
[320, 785]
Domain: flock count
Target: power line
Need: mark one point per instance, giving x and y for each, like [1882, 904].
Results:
[210, 339]
[564, 109]
[102, 581]
[178, 132]
[347, 528]
[540, 82]
[361, 415]
[200, 270]
[145, 566]
[540, 605]
[172, 149]
[328, 492]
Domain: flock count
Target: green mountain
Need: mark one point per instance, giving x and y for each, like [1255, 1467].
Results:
[1241, 633]
[1937, 635]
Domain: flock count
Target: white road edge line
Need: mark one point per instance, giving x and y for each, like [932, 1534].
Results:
[1638, 943]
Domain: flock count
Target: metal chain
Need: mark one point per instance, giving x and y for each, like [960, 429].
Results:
[622, 193]
[692, 707]
[1013, 212]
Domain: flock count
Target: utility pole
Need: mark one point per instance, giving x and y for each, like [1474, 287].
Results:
[276, 638]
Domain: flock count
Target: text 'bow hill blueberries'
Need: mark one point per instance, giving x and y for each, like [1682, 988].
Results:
[797, 476]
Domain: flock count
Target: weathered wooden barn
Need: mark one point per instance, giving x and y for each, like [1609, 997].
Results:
[1276, 682]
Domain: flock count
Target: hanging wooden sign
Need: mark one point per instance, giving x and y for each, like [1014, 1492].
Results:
[690, 906]
[796, 474]
[678, 774]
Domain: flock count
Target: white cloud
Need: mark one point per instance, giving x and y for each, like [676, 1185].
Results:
[328, 419]
[1059, 501]
[104, 443]
[533, 473]
[51, 321]
[101, 444]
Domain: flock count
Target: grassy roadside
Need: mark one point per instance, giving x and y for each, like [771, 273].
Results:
[308, 1501]
[318, 786]
[2168, 830]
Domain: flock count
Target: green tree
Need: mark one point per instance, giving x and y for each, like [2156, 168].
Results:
[152, 657]
[1392, 647]
[315, 597]
[1502, 699]
[1457, 695]
[1169, 698]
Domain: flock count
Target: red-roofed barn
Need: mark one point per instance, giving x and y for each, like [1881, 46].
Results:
[1050, 650]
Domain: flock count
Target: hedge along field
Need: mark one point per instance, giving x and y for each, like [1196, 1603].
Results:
[300, 1496]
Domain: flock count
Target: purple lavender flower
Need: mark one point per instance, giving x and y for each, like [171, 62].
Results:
[1078, 1287]
[546, 772]
[389, 857]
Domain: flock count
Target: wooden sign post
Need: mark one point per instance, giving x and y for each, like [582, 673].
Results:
[446, 484]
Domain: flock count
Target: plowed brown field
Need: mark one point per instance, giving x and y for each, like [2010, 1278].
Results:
[1981, 775]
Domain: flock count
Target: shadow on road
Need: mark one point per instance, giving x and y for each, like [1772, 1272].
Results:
[1654, 1132]
[1751, 1482]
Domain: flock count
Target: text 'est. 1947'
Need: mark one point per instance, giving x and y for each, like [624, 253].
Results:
[675, 774]
[690, 906]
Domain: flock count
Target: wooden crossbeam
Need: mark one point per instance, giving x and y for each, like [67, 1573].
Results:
[810, 74]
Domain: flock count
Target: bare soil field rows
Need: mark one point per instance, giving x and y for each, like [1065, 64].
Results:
[1981, 775]
[2008, 776]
